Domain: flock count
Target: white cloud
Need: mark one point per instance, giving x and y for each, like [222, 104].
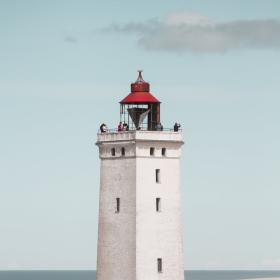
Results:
[187, 18]
[183, 31]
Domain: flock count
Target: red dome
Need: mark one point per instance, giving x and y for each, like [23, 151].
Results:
[140, 93]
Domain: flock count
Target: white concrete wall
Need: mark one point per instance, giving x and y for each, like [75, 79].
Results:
[158, 234]
[116, 231]
[130, 242]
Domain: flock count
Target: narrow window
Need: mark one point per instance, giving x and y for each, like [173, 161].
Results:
[123, 151]
[113, 152]
[117, 205]
[158, 175]
[163, 152]
[158, 204]
[152, 151]
[159, 265]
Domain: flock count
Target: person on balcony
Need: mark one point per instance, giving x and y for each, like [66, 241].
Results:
[103, 128]
[176, 127]
[159, 127]
[120, 127]
[125, 127]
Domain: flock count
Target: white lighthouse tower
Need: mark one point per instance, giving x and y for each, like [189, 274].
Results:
[140, 230]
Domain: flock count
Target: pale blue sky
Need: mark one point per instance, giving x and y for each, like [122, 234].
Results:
[65, 65]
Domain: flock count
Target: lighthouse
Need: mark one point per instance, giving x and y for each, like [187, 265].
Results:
[140, 228]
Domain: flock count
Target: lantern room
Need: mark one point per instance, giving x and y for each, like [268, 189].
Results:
[140, 110]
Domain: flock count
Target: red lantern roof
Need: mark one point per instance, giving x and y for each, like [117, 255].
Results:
[140, 93]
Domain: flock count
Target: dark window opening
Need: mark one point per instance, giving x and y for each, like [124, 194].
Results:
[158, 175]
[152, 151]
[159, 265]
[117, 205]
[163, 152]
[113, 152]
[158, 204]
[123, 151]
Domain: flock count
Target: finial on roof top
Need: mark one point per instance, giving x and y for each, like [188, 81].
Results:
[140, 78]
[140, 85]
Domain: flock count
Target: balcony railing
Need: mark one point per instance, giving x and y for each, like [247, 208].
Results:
[115, 130]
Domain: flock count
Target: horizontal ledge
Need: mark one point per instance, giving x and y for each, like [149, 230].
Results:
[130, 157]
[135, 141]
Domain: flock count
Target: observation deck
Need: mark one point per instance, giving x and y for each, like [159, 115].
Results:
[140, 135]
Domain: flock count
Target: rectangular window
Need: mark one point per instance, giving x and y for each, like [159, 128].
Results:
[158, 204]
[117, 205]
[159, 265]
[163, 152]
[152, 151]
[158, 175]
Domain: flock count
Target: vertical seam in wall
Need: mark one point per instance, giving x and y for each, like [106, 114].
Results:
[99, 206]
[136, 188]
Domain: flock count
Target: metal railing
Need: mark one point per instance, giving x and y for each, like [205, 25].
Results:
[115, 130]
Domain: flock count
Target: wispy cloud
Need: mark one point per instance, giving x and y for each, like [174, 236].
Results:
[70, 39]
[183, 31]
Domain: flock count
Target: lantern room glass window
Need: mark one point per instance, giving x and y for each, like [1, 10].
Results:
[140, 110]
